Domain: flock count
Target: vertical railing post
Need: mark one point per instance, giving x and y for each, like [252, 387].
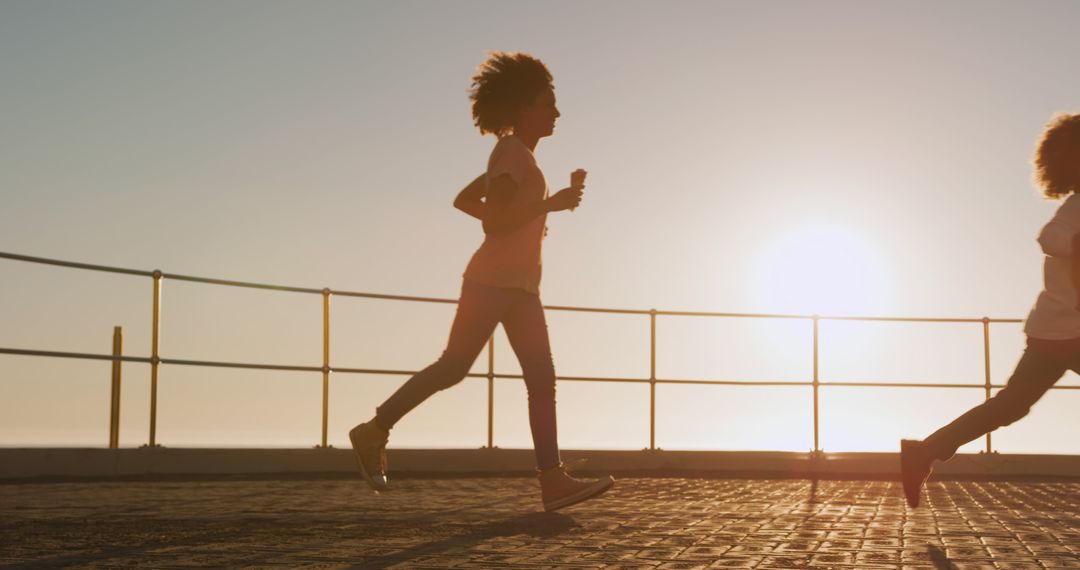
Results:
[986, 371]
[114, 399]
[155, 357]
[491, 392]
[325, 364]
[817, 386]
[652, 379]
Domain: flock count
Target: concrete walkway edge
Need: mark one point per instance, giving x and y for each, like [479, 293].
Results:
[30, 463]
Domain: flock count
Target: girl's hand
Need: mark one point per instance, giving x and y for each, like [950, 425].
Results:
[565, 199]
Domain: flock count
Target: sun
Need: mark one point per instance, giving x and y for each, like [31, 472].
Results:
[821, 268]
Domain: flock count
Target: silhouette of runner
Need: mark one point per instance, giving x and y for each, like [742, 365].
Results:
[1053, 325]
[513, 98]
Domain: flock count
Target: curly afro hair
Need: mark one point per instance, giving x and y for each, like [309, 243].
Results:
[1057, 160]
[503, 85]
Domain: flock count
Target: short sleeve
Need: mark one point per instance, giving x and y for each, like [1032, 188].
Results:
[510, 157]
[1058, 236]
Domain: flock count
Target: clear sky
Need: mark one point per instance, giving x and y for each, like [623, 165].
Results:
[832, 157]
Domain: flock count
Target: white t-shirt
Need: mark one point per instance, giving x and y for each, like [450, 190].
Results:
[1055, 316]
[513, 259]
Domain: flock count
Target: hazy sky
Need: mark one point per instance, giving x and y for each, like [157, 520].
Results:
[832, 157]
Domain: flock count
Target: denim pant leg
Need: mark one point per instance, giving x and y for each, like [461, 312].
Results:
[479, 310]
[526, 329]
[1041, 366]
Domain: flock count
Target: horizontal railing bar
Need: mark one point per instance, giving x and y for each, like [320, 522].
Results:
[214, 364]
[835, 318]
[686, 381]
[247, 284]
[688, 313]
[597, 310]
[918, 319]
[392, 372]
[906, 385]
[337, 293]
[74, 264]
[379, 371]
[580, 379]
[483, 375]
[733, 315]
[79, 355]
[690, 381]
[823, 383]
[454, 301]
[587, 379]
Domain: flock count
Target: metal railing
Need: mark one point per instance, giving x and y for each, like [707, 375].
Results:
[155, 360]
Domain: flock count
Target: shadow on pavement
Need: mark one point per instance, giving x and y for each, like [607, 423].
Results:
[538, 525]
[938, 557]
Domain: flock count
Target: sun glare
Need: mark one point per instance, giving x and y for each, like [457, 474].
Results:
[821, 269]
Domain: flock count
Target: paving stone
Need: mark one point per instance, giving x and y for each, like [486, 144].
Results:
[497, 523]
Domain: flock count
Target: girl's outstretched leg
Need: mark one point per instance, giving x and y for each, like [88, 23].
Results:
[1042, 364]
[479, 311]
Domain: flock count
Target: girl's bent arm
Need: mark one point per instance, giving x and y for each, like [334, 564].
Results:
[501, 215]
[471, 198]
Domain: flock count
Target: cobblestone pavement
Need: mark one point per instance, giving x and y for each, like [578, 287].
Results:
[497, 523]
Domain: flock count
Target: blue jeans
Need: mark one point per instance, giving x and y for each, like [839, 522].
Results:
[480, 309]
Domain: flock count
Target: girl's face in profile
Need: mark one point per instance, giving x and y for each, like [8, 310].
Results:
[539, 118]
